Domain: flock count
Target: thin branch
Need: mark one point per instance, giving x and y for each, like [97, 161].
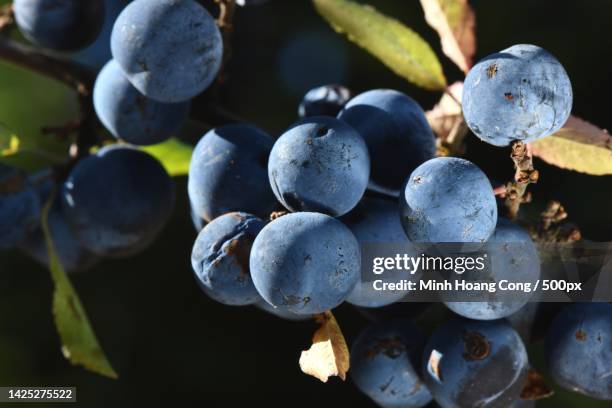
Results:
[68, 72]
[500, 191]
[525, 174]
[225, 21]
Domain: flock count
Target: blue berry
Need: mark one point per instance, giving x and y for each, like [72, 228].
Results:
[448, 199]
[170, 50]
[375, 223]
[228, 172]
[305, 263]
[514, 257]
[63, 25]
[520, 93]
[131, 116]
[385, 362]
[396, 132]
[320, 164]
[475, 364]
[325, 100]
[579, 349]
[220, 258]
[118, 200]
[19, 207]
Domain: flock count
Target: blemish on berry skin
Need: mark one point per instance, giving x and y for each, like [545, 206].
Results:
[476, 346]
[391, 347]
[509, 96]
[417, 180]
[322, 131]
[491, 71]
[581, 335]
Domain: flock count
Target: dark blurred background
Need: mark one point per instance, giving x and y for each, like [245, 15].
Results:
[169, 343]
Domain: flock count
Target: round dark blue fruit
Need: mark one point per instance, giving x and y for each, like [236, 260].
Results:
[320, 164]
[305, 263]
[63, 25]
[520, 93]
[118, 200]
[470, 363]
[579, 349]
[326, 100]
[170, 50]
[131, 116]
[396, 132]
[385, 362]
[448, 199]
[220, 258]
[229, 172]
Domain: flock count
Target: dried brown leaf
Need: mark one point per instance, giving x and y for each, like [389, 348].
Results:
[444, 117]
[328, 356]
[455, 22]
[535, 387]
[579, 146]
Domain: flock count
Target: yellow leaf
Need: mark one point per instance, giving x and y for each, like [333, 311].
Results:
[579, 146]
[79, 342]
[328, 356]
[455, 22]
[396, 45]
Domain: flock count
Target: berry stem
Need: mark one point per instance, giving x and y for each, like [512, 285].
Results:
[70, 73]
[525, 174]
[225, 21]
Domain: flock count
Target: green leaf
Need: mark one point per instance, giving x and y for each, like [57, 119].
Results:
[396, 45]
[173, 154]
[79, 342]
[28, 103]
[578, 146]
[9, 142]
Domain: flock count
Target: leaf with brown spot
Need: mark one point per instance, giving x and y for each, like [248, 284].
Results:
[455, 22]
[397, 46]
[329, 355]
[579, 146]
[535, 387]
[79, 342]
